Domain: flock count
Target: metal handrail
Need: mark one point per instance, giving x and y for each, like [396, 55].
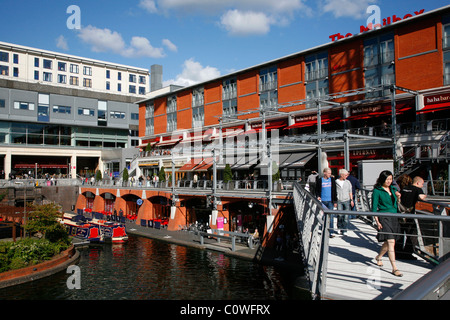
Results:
[313, 227]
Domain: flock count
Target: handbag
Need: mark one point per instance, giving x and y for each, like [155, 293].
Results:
[404, 209]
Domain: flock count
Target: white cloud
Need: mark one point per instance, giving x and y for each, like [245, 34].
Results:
[193, 73]
[170, 45]
[347, 8]
[246, 23]
[148, 5]
[61, 43]
[233, 13]
[105, 40]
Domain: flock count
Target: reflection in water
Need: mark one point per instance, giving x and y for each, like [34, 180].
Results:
[145, 269]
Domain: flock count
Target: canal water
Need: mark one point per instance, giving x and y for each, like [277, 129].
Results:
[147, 269]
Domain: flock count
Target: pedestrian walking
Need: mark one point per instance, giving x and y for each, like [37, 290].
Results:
[355, 186]
[384, 199]
[326, 193]
[410, 195]
[344, 200]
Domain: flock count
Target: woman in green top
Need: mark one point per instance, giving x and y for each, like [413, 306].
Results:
[384, 199]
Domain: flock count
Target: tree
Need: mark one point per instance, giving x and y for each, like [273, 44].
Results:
[162, 174]
[125, 175]
[275, 172]
[148, 147]
[227, 174]
[43, 219]
[98, 175]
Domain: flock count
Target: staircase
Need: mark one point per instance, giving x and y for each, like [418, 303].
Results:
[411, 162]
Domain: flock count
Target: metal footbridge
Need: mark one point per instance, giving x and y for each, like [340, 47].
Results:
[343, 267]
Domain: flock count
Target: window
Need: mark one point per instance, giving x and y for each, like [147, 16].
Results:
[23, 106]
[62, 109]
[74, 81]
[142, 90]
[171, 113]
[108, 74]
[134, 116]
[36, 75]
[87, 71]
[108, 85]
[171, 122]
[2, 103]
[86, 112]
[447, 67]
[62, 78]
[132, 89]
[119, 87]
[87, 83]
[379, 63]
[62, 66]
[4, 70]
[132, 78]
[74, 68]
[4, 56]
[47, 64]
[102, 109]
[117, 115]
[446, 48]
[316, 66]
[119, 76]
[230, 109]
[16, 72]
[15, 58]
[316, 76]
[268, 79]
[47, 77]
[229, 89]
[142, 80]
[36, 62]
[149, 113]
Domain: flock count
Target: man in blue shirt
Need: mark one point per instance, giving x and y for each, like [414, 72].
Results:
[326, 192]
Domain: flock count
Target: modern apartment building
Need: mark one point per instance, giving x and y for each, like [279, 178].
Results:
[347, 82]
[69, 115]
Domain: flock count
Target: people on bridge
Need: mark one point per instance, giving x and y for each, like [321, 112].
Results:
[326, 193]
[344, 199]
[355, 186]
[410, 195]
[384, 199]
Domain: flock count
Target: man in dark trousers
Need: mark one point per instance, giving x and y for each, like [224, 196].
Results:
[355, 186]
[410, 195]
[326, 192]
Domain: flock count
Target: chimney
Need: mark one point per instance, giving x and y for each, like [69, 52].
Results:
[156, 77]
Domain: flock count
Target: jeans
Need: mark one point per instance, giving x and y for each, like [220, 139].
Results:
[329, 205]
[343, 219]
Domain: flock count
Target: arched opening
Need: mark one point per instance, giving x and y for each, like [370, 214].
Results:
[132, 204]
[246, 215]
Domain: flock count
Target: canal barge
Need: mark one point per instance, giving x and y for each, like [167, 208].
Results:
[94, 230]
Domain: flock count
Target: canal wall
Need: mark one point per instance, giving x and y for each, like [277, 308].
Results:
[39, 271]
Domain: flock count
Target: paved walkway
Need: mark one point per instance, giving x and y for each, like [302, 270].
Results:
[185, 238]
[353, 273]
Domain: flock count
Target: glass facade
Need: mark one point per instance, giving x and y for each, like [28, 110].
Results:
[16, 133]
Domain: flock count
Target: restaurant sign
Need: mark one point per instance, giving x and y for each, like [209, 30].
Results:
[377, 25]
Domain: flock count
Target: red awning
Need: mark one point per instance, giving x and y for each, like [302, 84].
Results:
[205, 165]
[305, 124]
[434, 107]
[168, 142]
[190, 165]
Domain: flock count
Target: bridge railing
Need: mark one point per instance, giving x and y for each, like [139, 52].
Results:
[313, 221]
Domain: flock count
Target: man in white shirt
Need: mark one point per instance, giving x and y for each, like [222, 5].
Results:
[344, 199]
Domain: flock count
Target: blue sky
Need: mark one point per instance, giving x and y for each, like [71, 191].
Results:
[194, 40]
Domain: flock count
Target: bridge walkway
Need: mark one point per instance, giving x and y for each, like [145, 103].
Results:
[353, 273]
